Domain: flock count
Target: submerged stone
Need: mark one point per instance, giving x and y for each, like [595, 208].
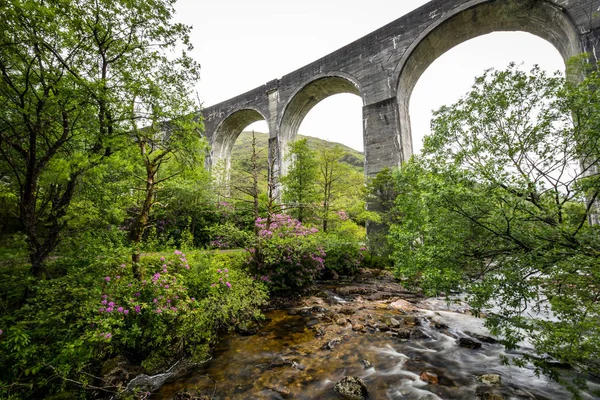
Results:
[490, 379]
[429, 377]
[469, 343]
[352, 388]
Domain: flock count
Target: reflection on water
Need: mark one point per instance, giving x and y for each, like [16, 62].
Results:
[302, 356]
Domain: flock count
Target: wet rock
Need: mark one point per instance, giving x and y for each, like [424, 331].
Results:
[394, 323]
[357, 327]
[248, 329]
[469, 343]
[482, 338]
[305, 312]
[377, 296]
[347, 311]
[332, 343]
[490, 379]
[318, 309]
[341, 321]
[402, 305]
[383, 327]
[352, 388]
[328, 316]
[411, 320]
[319, 331]
[118, 370]
[439, 325]
[279, 362]
[419, 334]
[485, 393]
[366, 363]
[356, 290]
[298, 366]
[282, 391]
[190, 394]
[312, 322]
[403, 334]
[429, 377]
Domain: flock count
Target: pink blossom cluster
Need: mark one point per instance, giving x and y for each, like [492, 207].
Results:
[219, 243]
[283, 226]
[223, 279]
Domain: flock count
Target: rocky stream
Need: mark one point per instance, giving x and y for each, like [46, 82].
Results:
[363, 337]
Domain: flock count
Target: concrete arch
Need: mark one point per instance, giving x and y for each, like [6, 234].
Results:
[227, 132]
[302, 100]
[476, 18]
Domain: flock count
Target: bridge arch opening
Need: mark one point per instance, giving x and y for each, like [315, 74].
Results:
[226, 136]
[337, 118]
[304, 100]
[547, 22]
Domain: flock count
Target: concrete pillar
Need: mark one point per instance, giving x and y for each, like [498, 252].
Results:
[383, 142]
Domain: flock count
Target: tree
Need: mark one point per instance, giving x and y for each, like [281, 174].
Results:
[329, 179]
[78, 78]
[299, 184]
[498, 207]
[246, 179]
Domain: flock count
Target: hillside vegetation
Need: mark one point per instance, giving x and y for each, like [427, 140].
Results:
[243, 148]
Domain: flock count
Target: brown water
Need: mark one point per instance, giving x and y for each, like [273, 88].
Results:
[289, 358]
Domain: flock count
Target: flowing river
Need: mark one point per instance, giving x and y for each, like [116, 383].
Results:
[401, 345]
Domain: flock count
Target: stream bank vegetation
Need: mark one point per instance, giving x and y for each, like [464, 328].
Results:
[502, 207]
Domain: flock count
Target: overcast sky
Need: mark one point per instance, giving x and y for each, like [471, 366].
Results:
[244, 44]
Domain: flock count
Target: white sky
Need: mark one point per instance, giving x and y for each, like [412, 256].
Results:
[244, 44]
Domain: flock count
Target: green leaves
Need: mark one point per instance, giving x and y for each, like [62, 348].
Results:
[498, 207]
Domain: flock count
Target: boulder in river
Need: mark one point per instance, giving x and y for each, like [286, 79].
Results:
[469, 343]
[332, 343]
[352, 388]
[358, 327]
[403, 334]
[485, 393]
[402, 305]
[429, 377]
[490, 379]
[482, 338]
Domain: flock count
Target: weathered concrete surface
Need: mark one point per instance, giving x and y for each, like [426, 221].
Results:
[383, 68]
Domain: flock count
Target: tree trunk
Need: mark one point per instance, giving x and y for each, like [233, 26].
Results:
[136, 232]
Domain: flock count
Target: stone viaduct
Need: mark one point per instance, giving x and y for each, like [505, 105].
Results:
[383, 68]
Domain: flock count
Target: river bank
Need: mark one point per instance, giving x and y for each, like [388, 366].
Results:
[400, 344]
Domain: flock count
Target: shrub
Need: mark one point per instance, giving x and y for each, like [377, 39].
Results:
[228, 236]
[344, 254]
[286, 254]
[71, 325]
[163, 317]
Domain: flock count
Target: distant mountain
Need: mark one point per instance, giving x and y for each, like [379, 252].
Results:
[243, 147]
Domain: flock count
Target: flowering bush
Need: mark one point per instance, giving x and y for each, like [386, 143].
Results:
[286, 254]
[163, 317]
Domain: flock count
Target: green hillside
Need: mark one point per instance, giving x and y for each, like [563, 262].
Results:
[243, 145]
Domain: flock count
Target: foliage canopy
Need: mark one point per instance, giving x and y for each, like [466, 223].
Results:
[499, 204]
